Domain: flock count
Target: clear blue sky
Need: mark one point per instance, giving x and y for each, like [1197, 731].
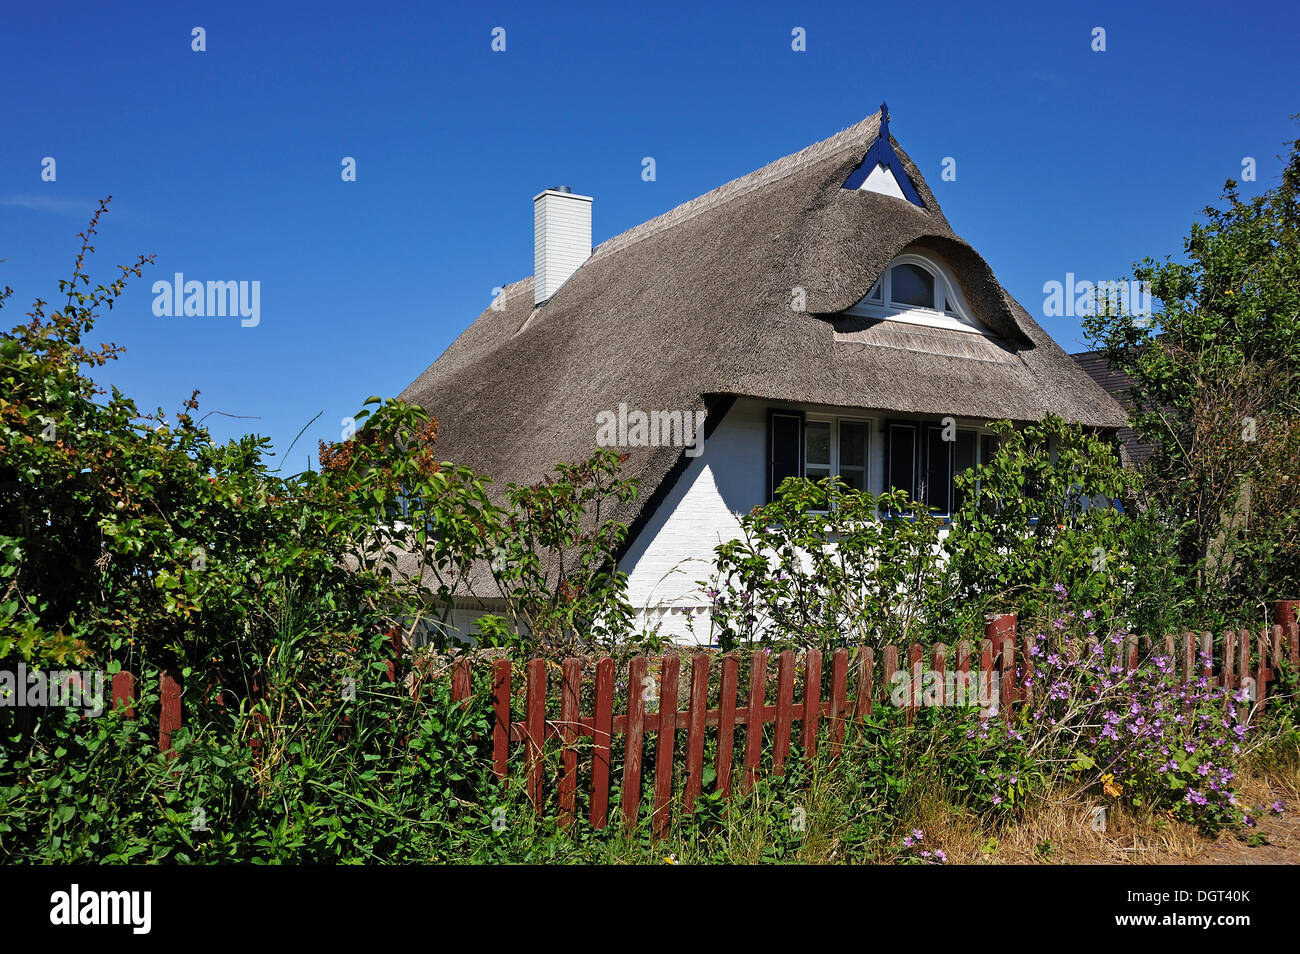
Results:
[226, 163]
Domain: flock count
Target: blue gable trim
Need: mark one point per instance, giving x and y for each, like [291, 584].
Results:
[882, 153]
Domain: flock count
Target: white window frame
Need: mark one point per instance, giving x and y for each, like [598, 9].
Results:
[834, 421]
[951, 311]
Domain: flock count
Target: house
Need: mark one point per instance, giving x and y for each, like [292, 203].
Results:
[819, 316]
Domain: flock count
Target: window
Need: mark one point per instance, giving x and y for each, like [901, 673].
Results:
[853, 454]
[784, 448]
[912, 285]
[920, 462]
[917, 290]
[816, 448]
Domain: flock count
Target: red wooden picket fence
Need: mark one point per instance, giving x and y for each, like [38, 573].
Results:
[1246, 659]
[852, 693]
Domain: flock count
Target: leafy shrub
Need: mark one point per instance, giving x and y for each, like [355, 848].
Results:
[1141, 735]
[820, 566]
[1042, 512]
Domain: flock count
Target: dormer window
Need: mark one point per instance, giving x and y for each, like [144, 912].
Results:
[917, 290]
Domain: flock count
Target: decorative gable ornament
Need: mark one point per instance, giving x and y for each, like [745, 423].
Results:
[881, 170]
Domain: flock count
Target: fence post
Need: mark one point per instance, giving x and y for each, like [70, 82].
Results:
[501, 716]
[169, 720]
[124, 692]
[1000, 630]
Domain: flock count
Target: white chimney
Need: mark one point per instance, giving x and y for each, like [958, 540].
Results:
[561, 238]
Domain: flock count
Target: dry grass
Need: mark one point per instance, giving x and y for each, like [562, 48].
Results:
[1059, 830]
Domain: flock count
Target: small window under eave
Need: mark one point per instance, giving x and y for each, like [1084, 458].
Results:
[915, 289]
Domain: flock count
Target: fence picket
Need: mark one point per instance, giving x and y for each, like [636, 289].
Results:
[501, 671]
[866, 669]
[695, 723]
[784, 711]
[124, 692]
[939, 664]
[602, 737]
[812, 701]
[169, 719]
[667, 723]
[462, 681]
[727, 722]
[890, 668]
[535, 728]
[1229, 659]
[963, 672]
[839, 699]
[570, 693]
[754, 717]
[636, 688]
[1243, 657]
[915, 678]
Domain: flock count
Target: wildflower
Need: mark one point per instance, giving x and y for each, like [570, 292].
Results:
[1277, 807]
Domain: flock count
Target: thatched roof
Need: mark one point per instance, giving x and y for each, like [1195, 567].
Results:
[696, 303]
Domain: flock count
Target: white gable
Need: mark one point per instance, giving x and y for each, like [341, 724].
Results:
[882, 180]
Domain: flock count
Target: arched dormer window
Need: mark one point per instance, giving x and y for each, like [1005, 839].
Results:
[918, 290]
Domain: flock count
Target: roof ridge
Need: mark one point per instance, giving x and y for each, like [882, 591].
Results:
[765, 175]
